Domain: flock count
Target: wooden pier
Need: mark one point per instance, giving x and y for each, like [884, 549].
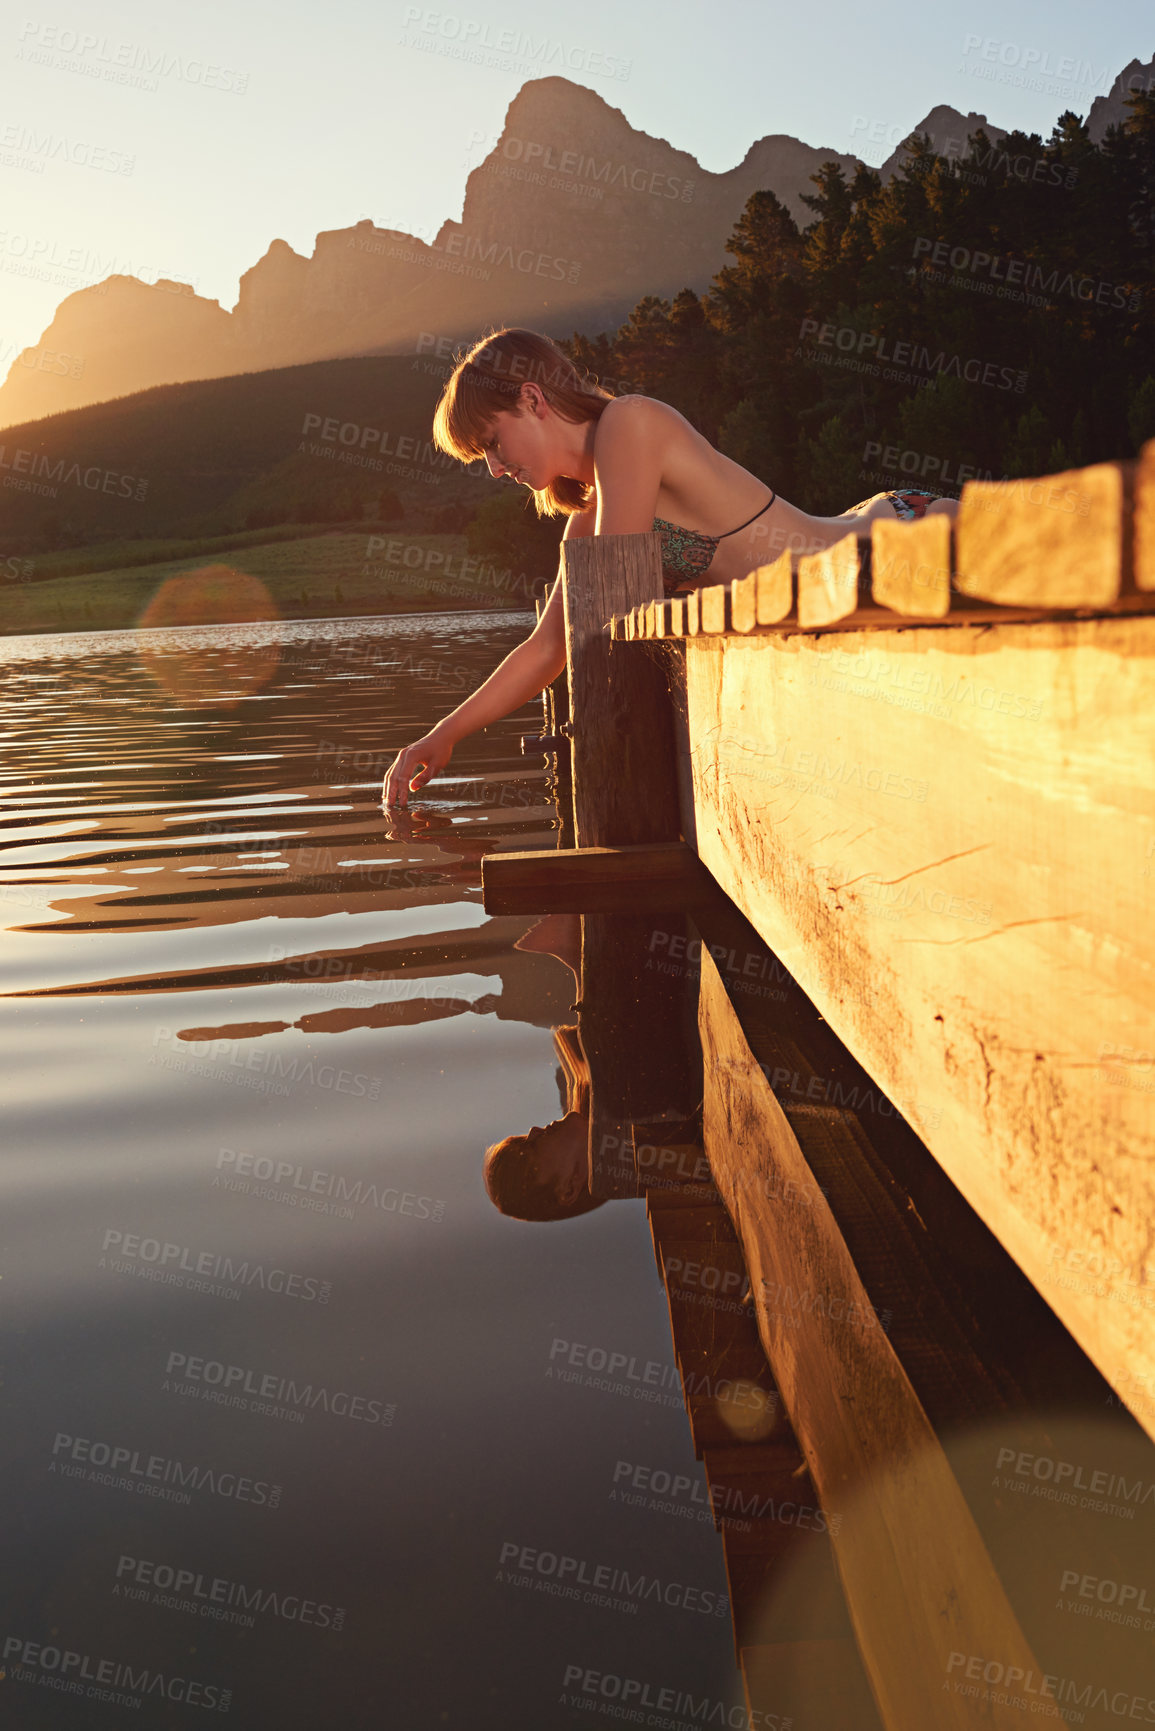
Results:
[921, 773]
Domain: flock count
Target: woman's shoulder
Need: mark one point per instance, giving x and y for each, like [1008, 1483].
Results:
[638, 420]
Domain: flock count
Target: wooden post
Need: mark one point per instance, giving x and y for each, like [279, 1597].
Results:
[623, 746]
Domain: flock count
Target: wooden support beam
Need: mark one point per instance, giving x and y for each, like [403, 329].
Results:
[952, 852]
[1145, 518]
[919, 1582]
[1055, 541]
[910, 566]
[828, 581]
[579, 880]
[623, 764]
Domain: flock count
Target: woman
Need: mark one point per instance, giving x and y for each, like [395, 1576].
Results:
[614, 466]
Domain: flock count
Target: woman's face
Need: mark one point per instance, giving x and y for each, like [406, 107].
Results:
[516, 445]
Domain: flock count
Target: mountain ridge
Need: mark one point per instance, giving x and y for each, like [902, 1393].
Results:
[572, 216]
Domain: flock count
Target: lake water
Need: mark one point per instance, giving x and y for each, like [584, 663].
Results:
[284, 1434]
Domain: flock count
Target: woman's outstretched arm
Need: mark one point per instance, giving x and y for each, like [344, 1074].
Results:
[525, 671]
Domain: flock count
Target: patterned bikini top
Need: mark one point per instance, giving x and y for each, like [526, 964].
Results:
[687, 553]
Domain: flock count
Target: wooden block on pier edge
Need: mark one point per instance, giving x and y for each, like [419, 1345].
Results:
[765, 596]
[828, 583]
[1145, 518]
[677, 609]
[1054, 541]
[910, 566]
[693, 613]
[713, 608]
[812, 1683]
[579, 879]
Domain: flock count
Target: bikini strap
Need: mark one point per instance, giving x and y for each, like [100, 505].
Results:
[753, 519]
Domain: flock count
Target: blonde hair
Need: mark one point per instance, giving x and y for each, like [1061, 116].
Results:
[487, 382]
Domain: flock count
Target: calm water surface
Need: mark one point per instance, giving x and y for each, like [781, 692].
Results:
[283, 1431]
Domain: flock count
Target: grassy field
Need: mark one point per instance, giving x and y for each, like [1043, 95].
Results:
[313, 577]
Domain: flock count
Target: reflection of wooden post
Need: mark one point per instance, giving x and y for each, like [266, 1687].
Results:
[634, 1021]
[623, 750]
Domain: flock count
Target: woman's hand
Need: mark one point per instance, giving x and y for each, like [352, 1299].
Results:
[414, 765]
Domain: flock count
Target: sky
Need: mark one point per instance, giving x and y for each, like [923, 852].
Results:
[179, 140]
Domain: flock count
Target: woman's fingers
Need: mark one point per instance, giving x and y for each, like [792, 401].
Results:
[410, 770]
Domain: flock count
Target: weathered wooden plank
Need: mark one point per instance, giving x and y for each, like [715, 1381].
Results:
[569, 880]
[623, 766]
[828, 582]
[1054, 541]
[918, 1580]
[677, 606]
[910, 567]
[1145, 518]
[948, 836]
[714, 608]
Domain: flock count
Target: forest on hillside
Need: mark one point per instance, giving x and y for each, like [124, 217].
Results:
[985, 316]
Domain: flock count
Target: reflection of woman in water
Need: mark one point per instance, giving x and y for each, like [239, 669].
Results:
[612, 466]
[544, 1175]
